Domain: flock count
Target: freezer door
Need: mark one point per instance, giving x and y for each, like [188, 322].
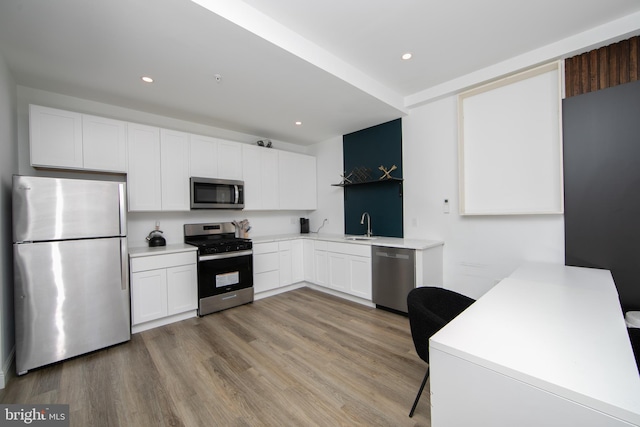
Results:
[59, 209]
[71, 297]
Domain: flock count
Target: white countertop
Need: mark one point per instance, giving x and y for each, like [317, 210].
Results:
[557, 328]
[158, 250]
[378, 241]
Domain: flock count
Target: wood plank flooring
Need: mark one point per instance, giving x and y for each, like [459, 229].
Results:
[301, 358]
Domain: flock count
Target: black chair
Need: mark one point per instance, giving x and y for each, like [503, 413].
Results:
[429, 310]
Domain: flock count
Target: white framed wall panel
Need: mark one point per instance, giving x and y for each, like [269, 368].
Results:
[510, 145]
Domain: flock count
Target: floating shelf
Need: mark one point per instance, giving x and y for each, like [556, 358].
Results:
[378, 181]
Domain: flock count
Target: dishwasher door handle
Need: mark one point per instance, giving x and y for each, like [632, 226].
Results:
[396, 256]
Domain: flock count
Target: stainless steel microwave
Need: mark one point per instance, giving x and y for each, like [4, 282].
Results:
[208, 193]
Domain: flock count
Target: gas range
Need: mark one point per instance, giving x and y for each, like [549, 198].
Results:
[218, 246]
[225, 266]
[215, 238]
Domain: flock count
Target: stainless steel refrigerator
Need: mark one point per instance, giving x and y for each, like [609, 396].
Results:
[71, 272]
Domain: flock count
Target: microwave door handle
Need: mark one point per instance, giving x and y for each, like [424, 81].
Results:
[237, 194]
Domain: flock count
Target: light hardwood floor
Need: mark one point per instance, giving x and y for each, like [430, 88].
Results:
[301, 358]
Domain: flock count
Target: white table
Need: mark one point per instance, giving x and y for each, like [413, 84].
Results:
[547, 346]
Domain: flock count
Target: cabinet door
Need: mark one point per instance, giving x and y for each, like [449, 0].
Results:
[182, 289]
[297, 181]
[260, 176]
[321, 267]
[269, 177]
[309, 260]
[174, 161]
[360, 277]
[204, 156]
[104, 144]
[338, 271]
[143, 178]
[297, 261]
[285, 268]
[55, 137]
[251, 172]
[148, 295]
[229, 160]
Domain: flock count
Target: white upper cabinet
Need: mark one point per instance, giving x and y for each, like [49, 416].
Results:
[297, 181]
[55, 137]
[229, 160]
[104, 144]
[260, 175]
[158, 177]
[159, 162]
[204, 157]
[144, 176]
[174, 170]
[64, 139]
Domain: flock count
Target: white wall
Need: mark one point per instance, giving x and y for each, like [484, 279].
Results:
[478, 251]
[141, 223]
[8, 166]
[330, 199]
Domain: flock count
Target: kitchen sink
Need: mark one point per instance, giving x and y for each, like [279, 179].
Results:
[360, 238]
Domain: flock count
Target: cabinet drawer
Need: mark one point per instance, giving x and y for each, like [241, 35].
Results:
[263, 248]
[349, 248]
[153, 262]
[266, 281]
[320, 245]
[284, 245]
[266, 262]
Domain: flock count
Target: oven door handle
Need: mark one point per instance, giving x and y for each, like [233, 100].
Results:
[225, 255]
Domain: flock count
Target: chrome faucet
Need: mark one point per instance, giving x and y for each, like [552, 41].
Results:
[368, 234]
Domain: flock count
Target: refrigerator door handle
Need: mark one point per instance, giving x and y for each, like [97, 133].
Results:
[124, 264]
[123, 209]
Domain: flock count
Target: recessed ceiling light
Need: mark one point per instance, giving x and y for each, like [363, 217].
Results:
[147, 79]
[298, 123]
[407, 55]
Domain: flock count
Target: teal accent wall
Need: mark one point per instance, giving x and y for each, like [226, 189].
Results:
[370, 148]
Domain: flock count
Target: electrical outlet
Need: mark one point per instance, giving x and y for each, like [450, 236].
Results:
[445, 206]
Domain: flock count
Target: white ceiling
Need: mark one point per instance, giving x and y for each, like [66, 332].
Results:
[334, 64]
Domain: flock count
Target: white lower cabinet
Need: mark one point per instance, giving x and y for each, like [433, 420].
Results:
[321, 266]
[349, 268]
[286, 263]
[309, 269]
[277, 264]
[163, 286]
[266, 266]
[360, 276]
[297, 261]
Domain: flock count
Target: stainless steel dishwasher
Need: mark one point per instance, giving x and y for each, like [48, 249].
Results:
[393, 272]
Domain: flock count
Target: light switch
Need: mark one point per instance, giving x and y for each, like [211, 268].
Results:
[445, 206]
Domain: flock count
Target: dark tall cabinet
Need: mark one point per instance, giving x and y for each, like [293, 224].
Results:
[602, 185]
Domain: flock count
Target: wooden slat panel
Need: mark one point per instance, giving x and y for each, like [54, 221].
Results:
[634, 59]
[584, 74]
[614, 76]
[601, 68]
[623, 61]
[568, 74]
[593, 70]
[603, 80]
